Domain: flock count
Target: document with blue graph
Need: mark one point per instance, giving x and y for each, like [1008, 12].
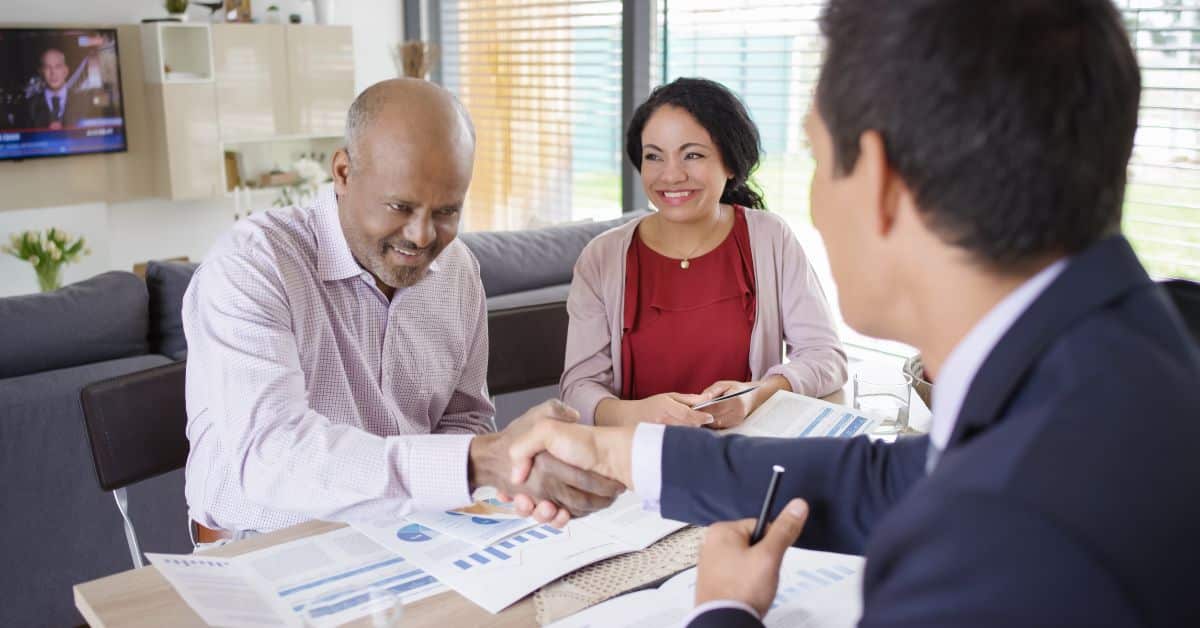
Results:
[789, 415]
[498, 574]
[475, 529]
[270, 587]
[816, 590]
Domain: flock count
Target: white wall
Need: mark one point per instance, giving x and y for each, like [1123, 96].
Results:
[122, 234]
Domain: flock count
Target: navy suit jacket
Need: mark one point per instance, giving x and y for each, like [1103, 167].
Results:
[1068, 495]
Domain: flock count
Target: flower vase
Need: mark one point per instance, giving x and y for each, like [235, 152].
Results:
[49, 277]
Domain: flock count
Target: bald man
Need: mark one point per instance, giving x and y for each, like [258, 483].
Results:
[338, 352]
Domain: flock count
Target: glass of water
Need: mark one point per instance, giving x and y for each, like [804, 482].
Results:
[883, 393]
[371, 606]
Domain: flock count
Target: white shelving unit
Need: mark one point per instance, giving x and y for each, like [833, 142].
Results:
[177, 52]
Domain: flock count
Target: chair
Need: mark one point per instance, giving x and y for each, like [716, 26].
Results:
[136, 426]
[1186, 296]
[526, 346]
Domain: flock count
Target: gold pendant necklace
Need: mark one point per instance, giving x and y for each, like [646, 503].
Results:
[685, 263]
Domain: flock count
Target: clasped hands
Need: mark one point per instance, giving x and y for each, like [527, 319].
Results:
[551, 458]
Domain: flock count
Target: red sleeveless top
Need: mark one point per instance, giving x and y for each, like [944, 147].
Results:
[687, 328]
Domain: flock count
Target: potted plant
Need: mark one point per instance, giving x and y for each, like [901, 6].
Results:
[48, 252]
[177, 9]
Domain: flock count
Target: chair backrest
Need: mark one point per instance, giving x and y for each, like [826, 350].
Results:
[1186, 295]
[136, 425]
[527, 346]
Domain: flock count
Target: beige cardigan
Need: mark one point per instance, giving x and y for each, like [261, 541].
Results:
[791, 308]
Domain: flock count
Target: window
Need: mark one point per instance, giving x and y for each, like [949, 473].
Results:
[1162, 204]
[542, 80]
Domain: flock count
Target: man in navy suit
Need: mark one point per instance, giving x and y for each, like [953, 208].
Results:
[970, 172]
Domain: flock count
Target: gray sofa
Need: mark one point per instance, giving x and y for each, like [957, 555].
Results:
[60, 528]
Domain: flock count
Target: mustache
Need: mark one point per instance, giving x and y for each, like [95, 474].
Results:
[408, 245]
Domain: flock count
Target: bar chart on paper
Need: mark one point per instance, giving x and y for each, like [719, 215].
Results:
[506, 549]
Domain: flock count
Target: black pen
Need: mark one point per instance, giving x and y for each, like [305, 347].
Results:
[760, 526]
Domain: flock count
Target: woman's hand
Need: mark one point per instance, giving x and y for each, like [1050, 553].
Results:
[733, 412]
[672, 409]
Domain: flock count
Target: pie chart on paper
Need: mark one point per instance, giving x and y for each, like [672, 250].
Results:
[413, 533]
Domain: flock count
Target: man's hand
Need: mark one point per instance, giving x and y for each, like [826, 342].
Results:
[673, 409]
[562, 490]
[602, 450]
[730, 569]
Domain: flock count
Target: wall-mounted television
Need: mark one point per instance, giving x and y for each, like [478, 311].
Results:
[60, 92]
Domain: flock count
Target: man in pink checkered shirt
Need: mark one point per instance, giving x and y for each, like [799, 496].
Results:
[337, 353]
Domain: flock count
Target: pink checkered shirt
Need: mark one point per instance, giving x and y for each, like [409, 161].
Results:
[310, 395]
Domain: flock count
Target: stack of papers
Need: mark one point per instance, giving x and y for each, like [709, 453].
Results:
[462, 553]
[816, 590]
[271, 586]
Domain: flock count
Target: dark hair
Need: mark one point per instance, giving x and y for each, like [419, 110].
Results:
[1012, 121]
[726, 120]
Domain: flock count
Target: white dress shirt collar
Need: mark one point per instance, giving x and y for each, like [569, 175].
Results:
[957, 373]
[61, 94]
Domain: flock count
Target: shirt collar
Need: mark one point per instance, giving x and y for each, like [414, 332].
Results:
[958, 372]
[334, 259]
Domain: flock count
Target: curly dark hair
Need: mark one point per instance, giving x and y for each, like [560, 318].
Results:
[727, 122]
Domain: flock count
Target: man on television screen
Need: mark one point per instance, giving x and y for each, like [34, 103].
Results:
[54, 106]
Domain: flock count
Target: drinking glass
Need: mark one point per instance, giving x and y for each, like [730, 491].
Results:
[883, 393]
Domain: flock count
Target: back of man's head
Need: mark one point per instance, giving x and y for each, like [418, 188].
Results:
[1011, 121]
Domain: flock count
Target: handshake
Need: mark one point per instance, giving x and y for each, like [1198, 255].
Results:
[553, 468]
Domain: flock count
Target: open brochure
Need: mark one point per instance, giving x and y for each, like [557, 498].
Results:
[270, 587]
[816, 590]
[496, 575]
[788, 415]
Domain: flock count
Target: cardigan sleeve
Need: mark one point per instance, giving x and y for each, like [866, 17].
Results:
[817, 361]
[587, 377]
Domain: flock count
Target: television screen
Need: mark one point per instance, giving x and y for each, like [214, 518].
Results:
[60, 92]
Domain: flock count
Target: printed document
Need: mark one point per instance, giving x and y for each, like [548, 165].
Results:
[788, 415]
[270, 587]
[816, 590]
[501, 573]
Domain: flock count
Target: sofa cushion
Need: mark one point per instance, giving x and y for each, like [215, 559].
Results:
[538, 296]
[514, 261]
[102, 318]
[167, 282]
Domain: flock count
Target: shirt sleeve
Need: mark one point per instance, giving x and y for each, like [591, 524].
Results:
[646, 455]
[246, 383]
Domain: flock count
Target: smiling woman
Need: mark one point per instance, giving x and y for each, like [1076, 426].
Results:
[707, 285]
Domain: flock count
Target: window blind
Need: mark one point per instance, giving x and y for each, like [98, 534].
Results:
[542, 80]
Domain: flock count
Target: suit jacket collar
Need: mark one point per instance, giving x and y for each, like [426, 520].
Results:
[1099, 275]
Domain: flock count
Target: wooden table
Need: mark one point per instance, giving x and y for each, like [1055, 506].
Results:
[142, 597]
